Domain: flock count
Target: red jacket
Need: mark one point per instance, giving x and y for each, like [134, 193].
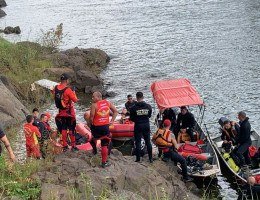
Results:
[69, 98]
[31, 133]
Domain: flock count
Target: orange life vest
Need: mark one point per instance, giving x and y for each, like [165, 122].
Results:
[101, 117]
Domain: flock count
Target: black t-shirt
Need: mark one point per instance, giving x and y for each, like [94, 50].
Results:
[1, 135]
[140, 113]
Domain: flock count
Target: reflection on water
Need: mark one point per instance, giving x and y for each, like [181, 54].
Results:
[215, 44]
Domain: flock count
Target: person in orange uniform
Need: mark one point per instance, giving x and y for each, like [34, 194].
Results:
[31, 133]
[65, 98]
[99, 119]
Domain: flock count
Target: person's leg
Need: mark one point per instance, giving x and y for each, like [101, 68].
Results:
[178, 158]
[247, 157]
[64, 132]
[72, 125]
[147, 139]
[240, 151]
[137, 136]
[105, 140]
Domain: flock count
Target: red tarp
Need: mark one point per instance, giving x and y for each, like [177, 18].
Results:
[175, 93]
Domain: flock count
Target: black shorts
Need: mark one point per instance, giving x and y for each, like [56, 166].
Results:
[100, 131]
[65, 123]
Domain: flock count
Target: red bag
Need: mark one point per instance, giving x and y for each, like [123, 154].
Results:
[189, 148]
[252, 151]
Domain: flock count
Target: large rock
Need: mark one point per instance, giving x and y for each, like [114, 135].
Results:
[86, 64]
[124, 177]
[10, 107]
[2, 13]
[10, 30]
[2, 3]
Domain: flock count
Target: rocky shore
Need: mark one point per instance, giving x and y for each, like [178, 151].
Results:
[2, 4]
[124, 179]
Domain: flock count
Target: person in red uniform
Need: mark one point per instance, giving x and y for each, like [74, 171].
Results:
[6, 142]
[31, 133]
[65, 98]
[99, 119]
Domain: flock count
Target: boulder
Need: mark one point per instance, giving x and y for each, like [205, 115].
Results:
[124, 177]
[2, 3]
[56, 72]
[10, 30]
[2, 13]
[11, 109]
[51, 191]
[100, 88]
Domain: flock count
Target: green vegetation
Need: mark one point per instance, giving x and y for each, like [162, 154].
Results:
[15, 180]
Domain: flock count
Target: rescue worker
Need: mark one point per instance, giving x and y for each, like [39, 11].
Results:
[65, 120]
[31, 133]
[6, 142]
[35, 113]
[45, 134]
[243, 139]
[130, 102]
[170, 150]
[99, 119]
[140, 114]
[186, 121]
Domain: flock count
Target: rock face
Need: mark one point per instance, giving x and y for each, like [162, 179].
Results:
[2, 13]
[84, 65]
[10, 107]
[124, 179]
[10, 30]
[2, 3]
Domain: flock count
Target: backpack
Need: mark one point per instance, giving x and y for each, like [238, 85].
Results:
[189, 148]
[160, 137]
[58, 97]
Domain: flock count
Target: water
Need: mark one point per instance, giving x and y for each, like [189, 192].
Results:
[216, 44]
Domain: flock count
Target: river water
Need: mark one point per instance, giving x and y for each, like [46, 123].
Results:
[214, 43]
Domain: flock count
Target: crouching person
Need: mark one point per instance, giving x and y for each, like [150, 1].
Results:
[166, 142]
[31, 133]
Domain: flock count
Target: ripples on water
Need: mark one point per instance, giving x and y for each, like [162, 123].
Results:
[215, 44]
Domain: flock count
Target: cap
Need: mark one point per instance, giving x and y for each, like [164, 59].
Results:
[166, 123]
[48, 115]
[64, 76]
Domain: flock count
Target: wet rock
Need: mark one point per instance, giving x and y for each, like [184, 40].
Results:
[10, 107]
[86, 77]
[10, 30]
[2, 3]
[123, 178]
[2, 14]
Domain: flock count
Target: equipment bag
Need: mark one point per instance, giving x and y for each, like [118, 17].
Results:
[59, 98]
[189, 148]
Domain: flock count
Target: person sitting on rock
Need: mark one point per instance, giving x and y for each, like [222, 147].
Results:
[6, 142]
[169, 149]
[31, 133]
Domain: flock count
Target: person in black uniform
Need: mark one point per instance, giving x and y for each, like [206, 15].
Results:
[186, 122]
[140, 114]
[130, 102]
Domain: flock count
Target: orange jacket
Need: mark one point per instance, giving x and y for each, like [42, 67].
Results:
[31, 133]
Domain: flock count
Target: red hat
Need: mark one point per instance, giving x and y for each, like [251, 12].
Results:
[48, 115]
[166, 123]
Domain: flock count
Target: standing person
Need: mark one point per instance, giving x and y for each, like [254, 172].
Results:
[99, 119]
[35, 113]
[65, 98]
[243, 139]
[186, 122]
[6, 142]
[31, 133]
[130, 102]
[140, 114]
[168, 145]
[45, 134]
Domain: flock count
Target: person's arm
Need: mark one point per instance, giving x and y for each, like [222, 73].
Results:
[6, 142]
[92, 113]
[150, 111]
[192, 122]
[115, 113]
[179, 137]
[72, 95]
[132, 114]
[174, 142]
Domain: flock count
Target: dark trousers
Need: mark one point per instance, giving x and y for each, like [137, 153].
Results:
[242, 153]
[175, 157]
[142, 130]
